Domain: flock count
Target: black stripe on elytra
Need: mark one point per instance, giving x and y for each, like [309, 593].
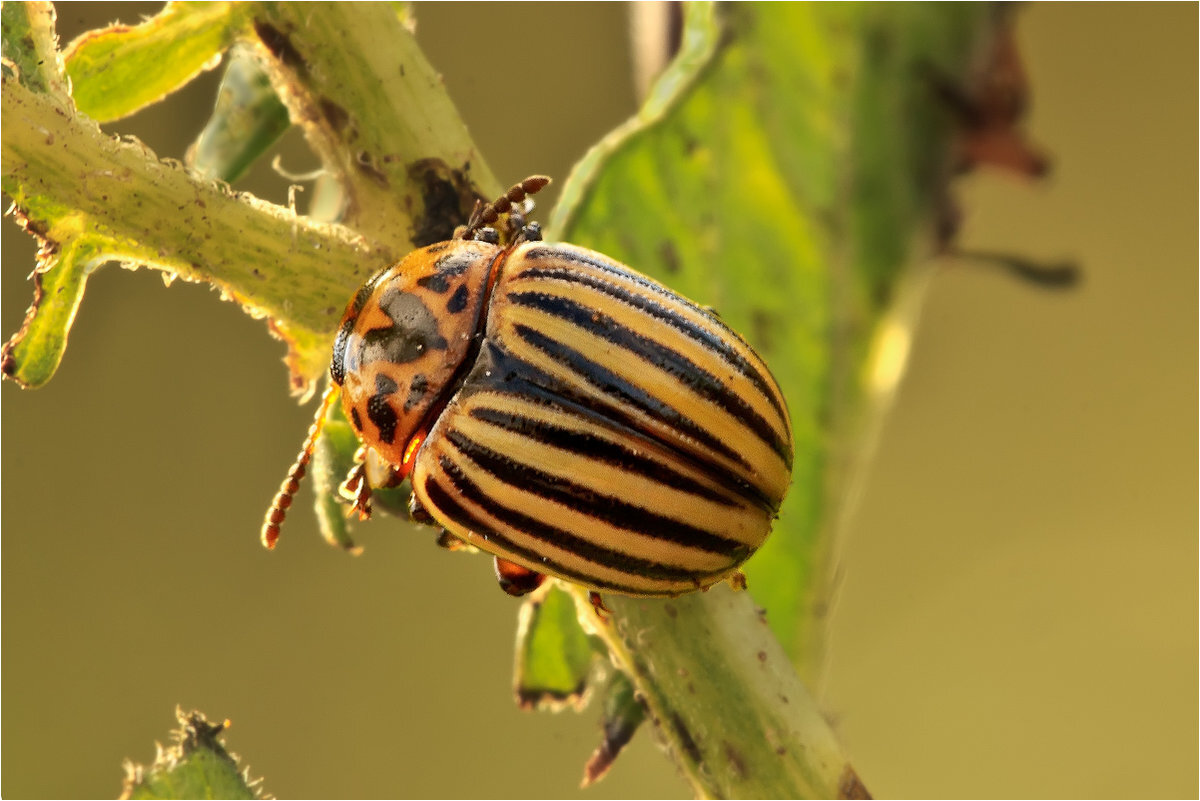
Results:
[497, 370]
[623, 392]
[571, 254]
[444, 501]
[702, 382]
[661, 313]
[606, 508]
[599, 449]
[558, 537]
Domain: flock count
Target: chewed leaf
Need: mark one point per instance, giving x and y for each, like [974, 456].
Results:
[196, 765]
[249, 117]
[118, 70]
[32, 355]
[554, 655]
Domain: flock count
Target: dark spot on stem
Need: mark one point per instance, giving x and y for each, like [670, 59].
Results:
[686, 740]
[851, 786]
[447, 196]
[280, 46]
[337, 117]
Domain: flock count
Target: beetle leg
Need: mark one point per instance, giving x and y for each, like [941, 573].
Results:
[452, 543]
[357, 490]
[737, 580]
[515, 579]
[602, 611]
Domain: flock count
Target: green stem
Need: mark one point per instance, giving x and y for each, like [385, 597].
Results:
[724, 695]
[61, 169]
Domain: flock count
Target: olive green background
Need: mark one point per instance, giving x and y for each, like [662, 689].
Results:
[1018, 609]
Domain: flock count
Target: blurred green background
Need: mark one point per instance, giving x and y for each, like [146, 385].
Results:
[1018, 607]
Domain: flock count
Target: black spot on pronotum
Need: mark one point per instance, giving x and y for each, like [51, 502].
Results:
[414, 331]
[385, 385]
[455, 263]
[437, 282]
[379, 412]
[356, 420]
[416, 391]
[458, 301]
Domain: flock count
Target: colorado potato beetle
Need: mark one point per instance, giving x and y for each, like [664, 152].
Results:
[558, 410]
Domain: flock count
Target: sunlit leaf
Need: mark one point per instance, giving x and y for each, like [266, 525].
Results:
[786, 183]
[118, 70]
[249, 117]
[554, 656]
[195, 765]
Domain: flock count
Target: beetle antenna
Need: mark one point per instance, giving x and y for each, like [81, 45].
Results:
[291, 484]
[487, 214]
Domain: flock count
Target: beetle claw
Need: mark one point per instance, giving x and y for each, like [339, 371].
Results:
[357, 490]
[602, 611]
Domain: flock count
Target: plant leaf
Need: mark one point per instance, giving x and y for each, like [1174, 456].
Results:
[67, 256]
[785, 182]
[121, 69]
[248, 118]
[30, 47]
[196, 765]
[553, 657]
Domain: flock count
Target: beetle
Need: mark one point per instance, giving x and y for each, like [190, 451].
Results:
[559, 410]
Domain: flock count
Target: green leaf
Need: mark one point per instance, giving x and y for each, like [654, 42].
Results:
[248, 118]
[146, 211]
[66, 258]
[405, 174]
[332, 459]
[554, 656]
[118, 70]
[196, 765]
[782, 171]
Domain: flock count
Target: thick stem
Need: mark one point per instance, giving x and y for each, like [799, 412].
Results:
[724, 696]
[62, 170]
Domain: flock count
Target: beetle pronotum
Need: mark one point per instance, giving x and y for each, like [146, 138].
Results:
[560, 411]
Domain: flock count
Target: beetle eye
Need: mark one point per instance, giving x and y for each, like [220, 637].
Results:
[489, 235]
